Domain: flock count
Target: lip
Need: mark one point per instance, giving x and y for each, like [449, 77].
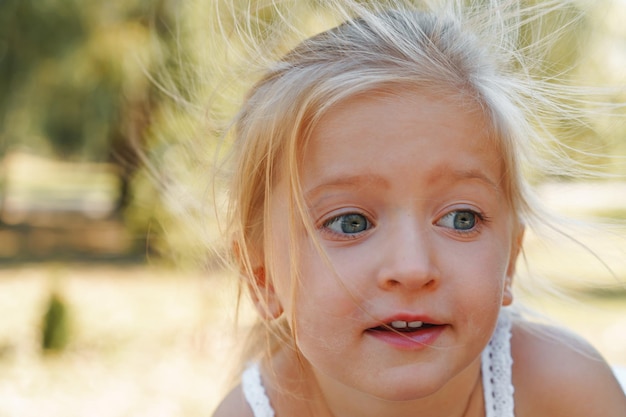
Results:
[410, 317]
[419, 339]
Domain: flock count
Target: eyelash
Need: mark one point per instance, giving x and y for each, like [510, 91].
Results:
[326, 225]
[481, 220]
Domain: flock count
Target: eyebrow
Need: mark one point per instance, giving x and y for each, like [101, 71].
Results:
[344, 181]
[445, 172]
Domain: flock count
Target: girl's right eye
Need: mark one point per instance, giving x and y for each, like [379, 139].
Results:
[348, 224]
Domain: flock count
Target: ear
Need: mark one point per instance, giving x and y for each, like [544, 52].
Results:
[260, 288]
[516, 247]
[264, 295]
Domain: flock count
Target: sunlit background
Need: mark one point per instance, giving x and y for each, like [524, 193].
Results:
[104, 310]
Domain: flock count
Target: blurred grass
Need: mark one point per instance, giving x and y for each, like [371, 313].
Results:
[143, 341]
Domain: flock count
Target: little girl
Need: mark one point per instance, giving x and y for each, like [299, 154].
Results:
[378, 209]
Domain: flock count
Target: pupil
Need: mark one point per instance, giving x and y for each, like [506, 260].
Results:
[464, 221]
[353, 223]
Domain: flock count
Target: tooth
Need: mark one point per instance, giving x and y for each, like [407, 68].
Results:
[415, 324]
[399, 324]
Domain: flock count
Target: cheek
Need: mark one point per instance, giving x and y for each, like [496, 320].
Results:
[324, 319]
[326, 294]
[480, 277]
[312, 295]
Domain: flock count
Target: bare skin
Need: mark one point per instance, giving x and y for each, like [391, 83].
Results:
[554, 373]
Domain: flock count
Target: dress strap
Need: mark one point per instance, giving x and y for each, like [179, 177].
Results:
[254, 392]
[497, 365]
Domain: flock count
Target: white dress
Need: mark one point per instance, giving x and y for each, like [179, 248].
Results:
[496, 373]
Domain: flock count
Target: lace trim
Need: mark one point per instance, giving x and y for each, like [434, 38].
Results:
[253, 390]
[496, 370]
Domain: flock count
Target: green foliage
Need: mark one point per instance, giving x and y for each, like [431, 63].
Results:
[72, 73]
[55, 330]
[75, 79]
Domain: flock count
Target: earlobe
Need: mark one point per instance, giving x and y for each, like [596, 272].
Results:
[261, 290]
[507, 295]
[516, 248]
[264, 295]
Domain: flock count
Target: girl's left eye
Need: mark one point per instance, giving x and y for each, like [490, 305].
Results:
[348, 224]
[461, 220]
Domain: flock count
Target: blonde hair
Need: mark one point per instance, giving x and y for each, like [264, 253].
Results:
[467, 48]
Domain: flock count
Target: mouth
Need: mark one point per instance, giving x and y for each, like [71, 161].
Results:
[402, 326]
[410, 334]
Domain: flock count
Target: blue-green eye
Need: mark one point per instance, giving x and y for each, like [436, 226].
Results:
[350, 223]
[462, 220]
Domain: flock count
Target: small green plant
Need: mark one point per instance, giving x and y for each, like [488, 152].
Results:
[55, 325]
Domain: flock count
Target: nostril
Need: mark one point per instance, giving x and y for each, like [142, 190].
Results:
[430, 283]
[392, 284]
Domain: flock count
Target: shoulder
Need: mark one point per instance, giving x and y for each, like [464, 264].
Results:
[234, 405]
[556, 373]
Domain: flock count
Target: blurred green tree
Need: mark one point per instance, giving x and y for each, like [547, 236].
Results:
[73, 78]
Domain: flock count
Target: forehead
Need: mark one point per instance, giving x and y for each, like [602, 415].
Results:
[410, 105]
[444, 133]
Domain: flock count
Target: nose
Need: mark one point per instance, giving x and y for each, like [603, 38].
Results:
[408, 260]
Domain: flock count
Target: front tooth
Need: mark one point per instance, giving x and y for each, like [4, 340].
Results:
[415, 324]
[399, 324]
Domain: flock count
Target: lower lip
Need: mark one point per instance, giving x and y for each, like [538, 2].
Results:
[420, 339]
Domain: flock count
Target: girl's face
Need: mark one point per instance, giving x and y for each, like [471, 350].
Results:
[404, 192]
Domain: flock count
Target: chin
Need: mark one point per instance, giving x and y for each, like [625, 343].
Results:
[402, 391]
